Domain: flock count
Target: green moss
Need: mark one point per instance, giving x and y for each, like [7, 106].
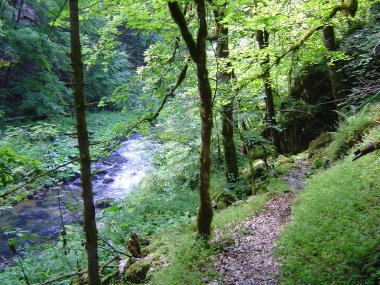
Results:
[319, 142]
[137, 272]
[283, 164]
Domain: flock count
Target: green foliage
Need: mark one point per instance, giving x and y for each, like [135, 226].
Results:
[363, 46]
[319, 142]
[283, 164]
[154, 207]
[234, 215]
[13, 167]
[31, 87]
[350, 132]
[35, 147]
[191, 259]
[333, 237]
[43, 261]
[188, 260]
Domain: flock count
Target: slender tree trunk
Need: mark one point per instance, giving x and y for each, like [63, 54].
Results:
[225, 77]
[262, 37]
[90, 229]
[334, 74]
[197, 50]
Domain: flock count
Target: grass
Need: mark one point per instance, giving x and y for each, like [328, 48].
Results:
[181, 258]
[351, 131]
[162, 202]
[333, 237]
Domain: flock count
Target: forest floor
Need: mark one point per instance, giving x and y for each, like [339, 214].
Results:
[251, 259]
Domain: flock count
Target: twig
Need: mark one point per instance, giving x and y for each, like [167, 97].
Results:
[116, 257]
[110, 276]
[152, 117]
[63, 277]
[55, 19]
[66, 276]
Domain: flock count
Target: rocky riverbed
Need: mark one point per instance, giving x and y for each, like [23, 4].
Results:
[42, 216]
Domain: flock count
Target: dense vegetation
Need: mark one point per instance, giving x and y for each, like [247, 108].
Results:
[234, 94]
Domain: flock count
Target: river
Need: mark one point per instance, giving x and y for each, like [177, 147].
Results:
[117, 175]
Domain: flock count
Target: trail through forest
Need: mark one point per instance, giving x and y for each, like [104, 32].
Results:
[250, 259]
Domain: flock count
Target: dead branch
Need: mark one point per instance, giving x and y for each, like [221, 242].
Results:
[116, 257]
[63, 277]
[110, 277]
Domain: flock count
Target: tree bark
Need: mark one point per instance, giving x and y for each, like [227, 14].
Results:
[90, 229]
[334, 74]
[197, 50]
[225, 77]
[262, 37]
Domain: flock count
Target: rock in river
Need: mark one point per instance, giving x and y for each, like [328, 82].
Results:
[108, 179]
[104, 203]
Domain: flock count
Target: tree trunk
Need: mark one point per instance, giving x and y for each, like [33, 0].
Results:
[262, 37]
[333, 67]
[197, 50]
[90, 229]
[225, 77]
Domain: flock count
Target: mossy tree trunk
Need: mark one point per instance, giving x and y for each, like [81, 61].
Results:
[225, 78]
[90, 229]
[262, 38]
[197, 50]
[335, 75]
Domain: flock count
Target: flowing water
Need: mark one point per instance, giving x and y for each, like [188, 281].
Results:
[43, 215]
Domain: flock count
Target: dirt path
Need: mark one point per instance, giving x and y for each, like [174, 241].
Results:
[251, 260]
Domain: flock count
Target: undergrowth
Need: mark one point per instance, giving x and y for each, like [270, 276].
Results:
[184, 259]
[351, 131]
[333, 237]
[181, 258]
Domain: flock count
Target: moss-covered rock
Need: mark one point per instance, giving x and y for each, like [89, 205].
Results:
[283, 164]
[223, 198]
[136, 274]
[259, 167]
[220, 205]
[321, 141]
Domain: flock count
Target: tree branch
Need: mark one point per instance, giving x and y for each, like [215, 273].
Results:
[366, 149]
[180, 20]
[3, 195]
[56, 18]
[152, 117]
[311, 31]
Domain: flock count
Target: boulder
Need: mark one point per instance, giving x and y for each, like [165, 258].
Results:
[108, 179]
[221, 205]
[100, 171]
[259, 167]
[104, 203]
[137, 272]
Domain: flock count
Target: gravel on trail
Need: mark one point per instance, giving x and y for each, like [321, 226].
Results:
[250, 260]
